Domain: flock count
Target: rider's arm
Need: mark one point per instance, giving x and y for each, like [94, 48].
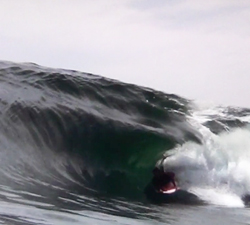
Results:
[173, 181]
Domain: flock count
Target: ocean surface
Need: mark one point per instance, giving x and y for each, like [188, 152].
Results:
[76, 148]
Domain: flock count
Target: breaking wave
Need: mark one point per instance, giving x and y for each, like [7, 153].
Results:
[67, 130]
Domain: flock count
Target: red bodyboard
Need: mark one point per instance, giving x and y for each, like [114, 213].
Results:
[168, 188]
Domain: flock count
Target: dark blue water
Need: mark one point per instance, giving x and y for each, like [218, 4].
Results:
[79, 148]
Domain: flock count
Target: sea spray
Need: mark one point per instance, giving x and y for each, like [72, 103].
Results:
[217, 170]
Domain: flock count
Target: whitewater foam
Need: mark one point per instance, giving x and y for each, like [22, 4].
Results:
[218, 170]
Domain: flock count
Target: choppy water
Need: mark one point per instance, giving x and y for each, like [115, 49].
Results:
[77, 148]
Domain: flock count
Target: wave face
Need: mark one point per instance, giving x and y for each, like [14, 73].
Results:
[73, 128]
[67, 130]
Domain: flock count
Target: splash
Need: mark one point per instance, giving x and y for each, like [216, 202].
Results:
[218, 170]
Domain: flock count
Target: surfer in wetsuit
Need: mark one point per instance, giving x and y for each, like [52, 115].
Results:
[163, 180]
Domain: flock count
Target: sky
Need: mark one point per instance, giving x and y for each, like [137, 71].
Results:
[196, 49]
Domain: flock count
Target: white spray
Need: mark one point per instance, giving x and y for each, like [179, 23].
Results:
[218, 171]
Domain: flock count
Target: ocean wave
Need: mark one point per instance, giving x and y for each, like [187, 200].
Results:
[68, 129]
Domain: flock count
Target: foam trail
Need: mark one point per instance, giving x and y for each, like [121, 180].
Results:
[218, 197]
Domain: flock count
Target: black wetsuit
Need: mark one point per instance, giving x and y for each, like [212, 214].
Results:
[162, 180]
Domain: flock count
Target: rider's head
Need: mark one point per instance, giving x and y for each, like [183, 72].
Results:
[170, 174]
[157, 172]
